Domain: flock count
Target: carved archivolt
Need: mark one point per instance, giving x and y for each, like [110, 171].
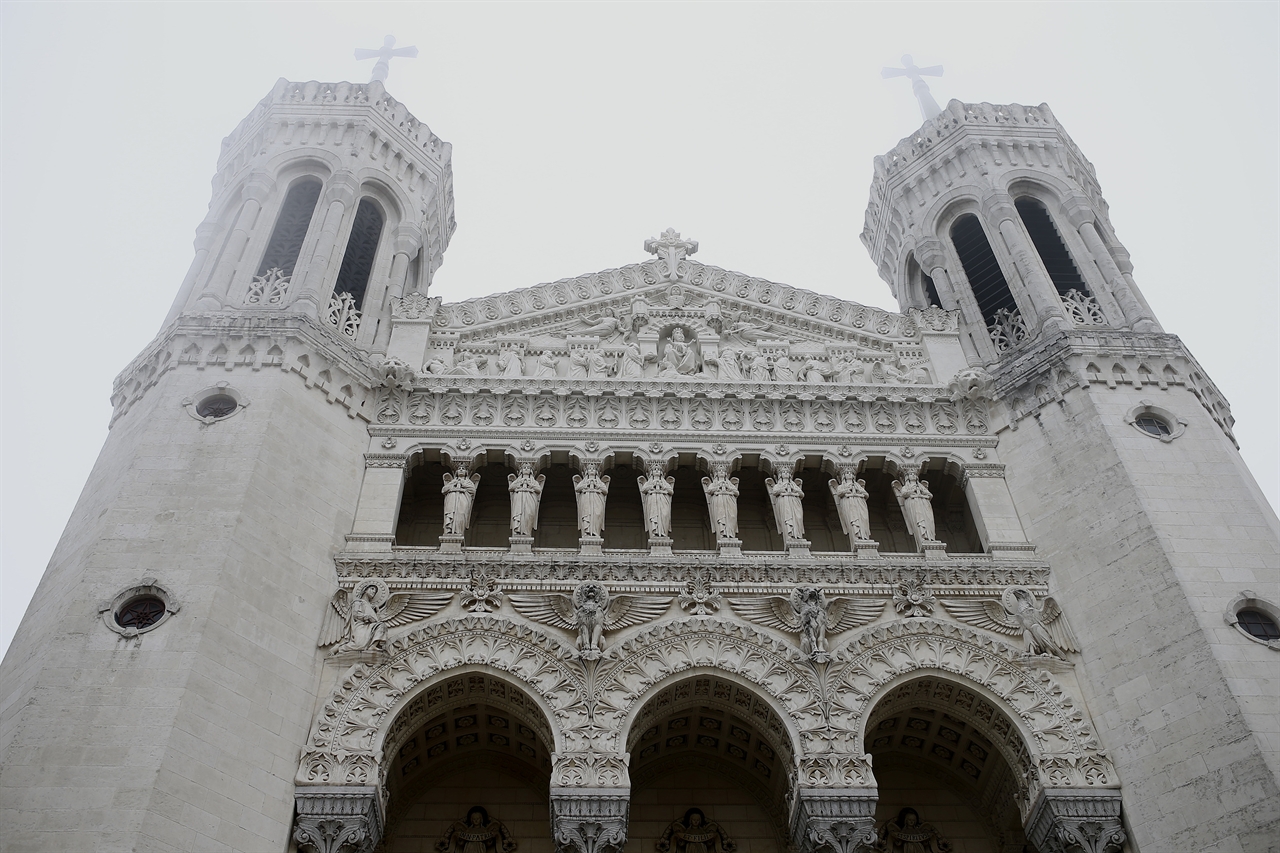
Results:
[345, 743]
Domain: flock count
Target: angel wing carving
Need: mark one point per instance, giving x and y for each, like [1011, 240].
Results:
[846, 613]
[1043, 628]
[590, 611]
[809, 613]
[358, 620]
[552, 609]
[772, 611]
[627, 610]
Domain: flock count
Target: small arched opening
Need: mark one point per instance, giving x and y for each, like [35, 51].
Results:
[708, 743]
[821, 518]
[558, 509]
[421, 519]
[624, 527]
[291, 226]
[948, 753]
[757, 527]
[981, 268]
[690, 518]
[491, 512]
[474, 740]
[953, 518]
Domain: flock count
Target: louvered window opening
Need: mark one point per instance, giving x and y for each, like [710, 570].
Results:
[357, 261]
[1048, 242]
[291, 228]
[981, 268]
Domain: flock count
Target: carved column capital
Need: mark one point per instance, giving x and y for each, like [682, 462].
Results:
[1066, 820]
[337, 819]
[931, 255]
[590, 820]
[835, 821]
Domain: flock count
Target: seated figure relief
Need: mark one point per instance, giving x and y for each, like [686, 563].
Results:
[907, 834]
[694, 834]
[479, 833]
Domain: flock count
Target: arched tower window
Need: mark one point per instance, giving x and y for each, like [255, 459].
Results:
[362, 245]
[1048, 242]
[291, 227]
[981, 268]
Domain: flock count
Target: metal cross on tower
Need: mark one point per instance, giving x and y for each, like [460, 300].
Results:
[928, 106]
[385, 54]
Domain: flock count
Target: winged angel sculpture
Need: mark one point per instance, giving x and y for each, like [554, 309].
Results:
[358, 621]
[1044, 629]
[590, 611]
[809, 613]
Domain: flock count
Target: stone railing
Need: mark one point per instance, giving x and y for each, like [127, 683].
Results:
[1008, 330]
[1083, 309]
[343, 315]
[268, 290]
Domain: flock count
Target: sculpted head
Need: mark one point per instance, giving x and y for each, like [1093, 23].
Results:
[694, 818]
[478, 816]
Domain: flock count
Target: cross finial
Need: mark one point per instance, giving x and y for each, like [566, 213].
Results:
[928, 106]
[384, 54]
[671, 248]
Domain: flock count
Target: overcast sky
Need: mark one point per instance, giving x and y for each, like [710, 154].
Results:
[579, 130]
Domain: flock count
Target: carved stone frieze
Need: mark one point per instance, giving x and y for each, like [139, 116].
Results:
[590, 821]
[835, 821]
[337, 819]
[1076, 821]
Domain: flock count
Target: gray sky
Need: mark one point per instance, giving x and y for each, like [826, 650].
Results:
[581, 129]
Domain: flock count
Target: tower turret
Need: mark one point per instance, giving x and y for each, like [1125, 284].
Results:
[994, 211]
[330, 199]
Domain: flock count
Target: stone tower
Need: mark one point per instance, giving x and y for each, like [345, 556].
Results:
[664, 557]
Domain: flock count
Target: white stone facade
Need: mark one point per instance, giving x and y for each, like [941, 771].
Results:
[872, 562]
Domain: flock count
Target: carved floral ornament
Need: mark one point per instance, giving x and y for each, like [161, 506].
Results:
[822, 707]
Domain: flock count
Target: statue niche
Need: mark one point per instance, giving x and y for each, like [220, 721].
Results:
[479, 833]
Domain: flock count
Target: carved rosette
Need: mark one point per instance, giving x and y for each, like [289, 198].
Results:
[833, 822]
[590, 822]
[1075, 821]
[337, 819]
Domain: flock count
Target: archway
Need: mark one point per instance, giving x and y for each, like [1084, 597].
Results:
[486, 744]
[707, 742]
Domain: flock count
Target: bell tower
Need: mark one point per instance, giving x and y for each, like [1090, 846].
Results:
[1118, 453]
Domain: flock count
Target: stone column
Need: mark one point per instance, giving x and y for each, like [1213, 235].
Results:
[205, 233]
[337, 819]
[994, 513]
[931, 256]
[835, 821]
[256, 191]
[1076, 820]
[309, 277]
[1040, 291]
[378, 508]
[590, 820]
[408, 241]
[1135, 313]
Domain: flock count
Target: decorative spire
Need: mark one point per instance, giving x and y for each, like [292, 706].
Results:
[670, 247]
[385, 54]
[928, 106]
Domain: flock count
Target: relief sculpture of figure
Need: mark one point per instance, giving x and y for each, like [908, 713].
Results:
[785, 494]
[358, 621]
[694, 834]
[679, 358]
[468, 364]
[526, 494]
[590, 611]
[851, 503]
[917, 506]
[908, 835]
[782, 369]
[813, 372]
[479, 833]
[631, 362]
[592, 491]
[726, 363]
[655, 494]
[510, 364]
[722, 502]
[1043, 628]
[759, 369]
[548, 365]
[459, 494]
[809, 613]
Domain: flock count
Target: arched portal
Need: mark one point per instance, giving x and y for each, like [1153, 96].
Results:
[942, 750]
[487, 745]
[707, 742]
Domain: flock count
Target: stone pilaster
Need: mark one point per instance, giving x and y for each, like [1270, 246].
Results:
[835, 821]
[1068, 820]
[337, 819]
[590, 820]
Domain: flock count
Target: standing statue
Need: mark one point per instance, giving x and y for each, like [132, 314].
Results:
[526, 494]
[599, 365]
[917, 506]
[655, 494]
[591, 611]
[459, 495]
[785, 494]
[908, 835]
[548, 365]
[851, 503]
[782, 369]
[726, 364]
[579, 360]
[358, 621]
[510, 363]
[759, 369]
[813, 372]
[478, 834]
[679, 358]
[722, 501]
[694, 834]
[591, 491]
[1044, 629]
[631, 362]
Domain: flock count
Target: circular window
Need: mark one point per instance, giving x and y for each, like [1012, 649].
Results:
[1258, 624]
[142, 607]
[1255, 618]
[141, 612]
[217, 406]
[1152, 425]
[214, 404]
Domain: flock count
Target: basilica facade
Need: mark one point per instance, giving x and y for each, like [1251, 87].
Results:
[663, 558]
